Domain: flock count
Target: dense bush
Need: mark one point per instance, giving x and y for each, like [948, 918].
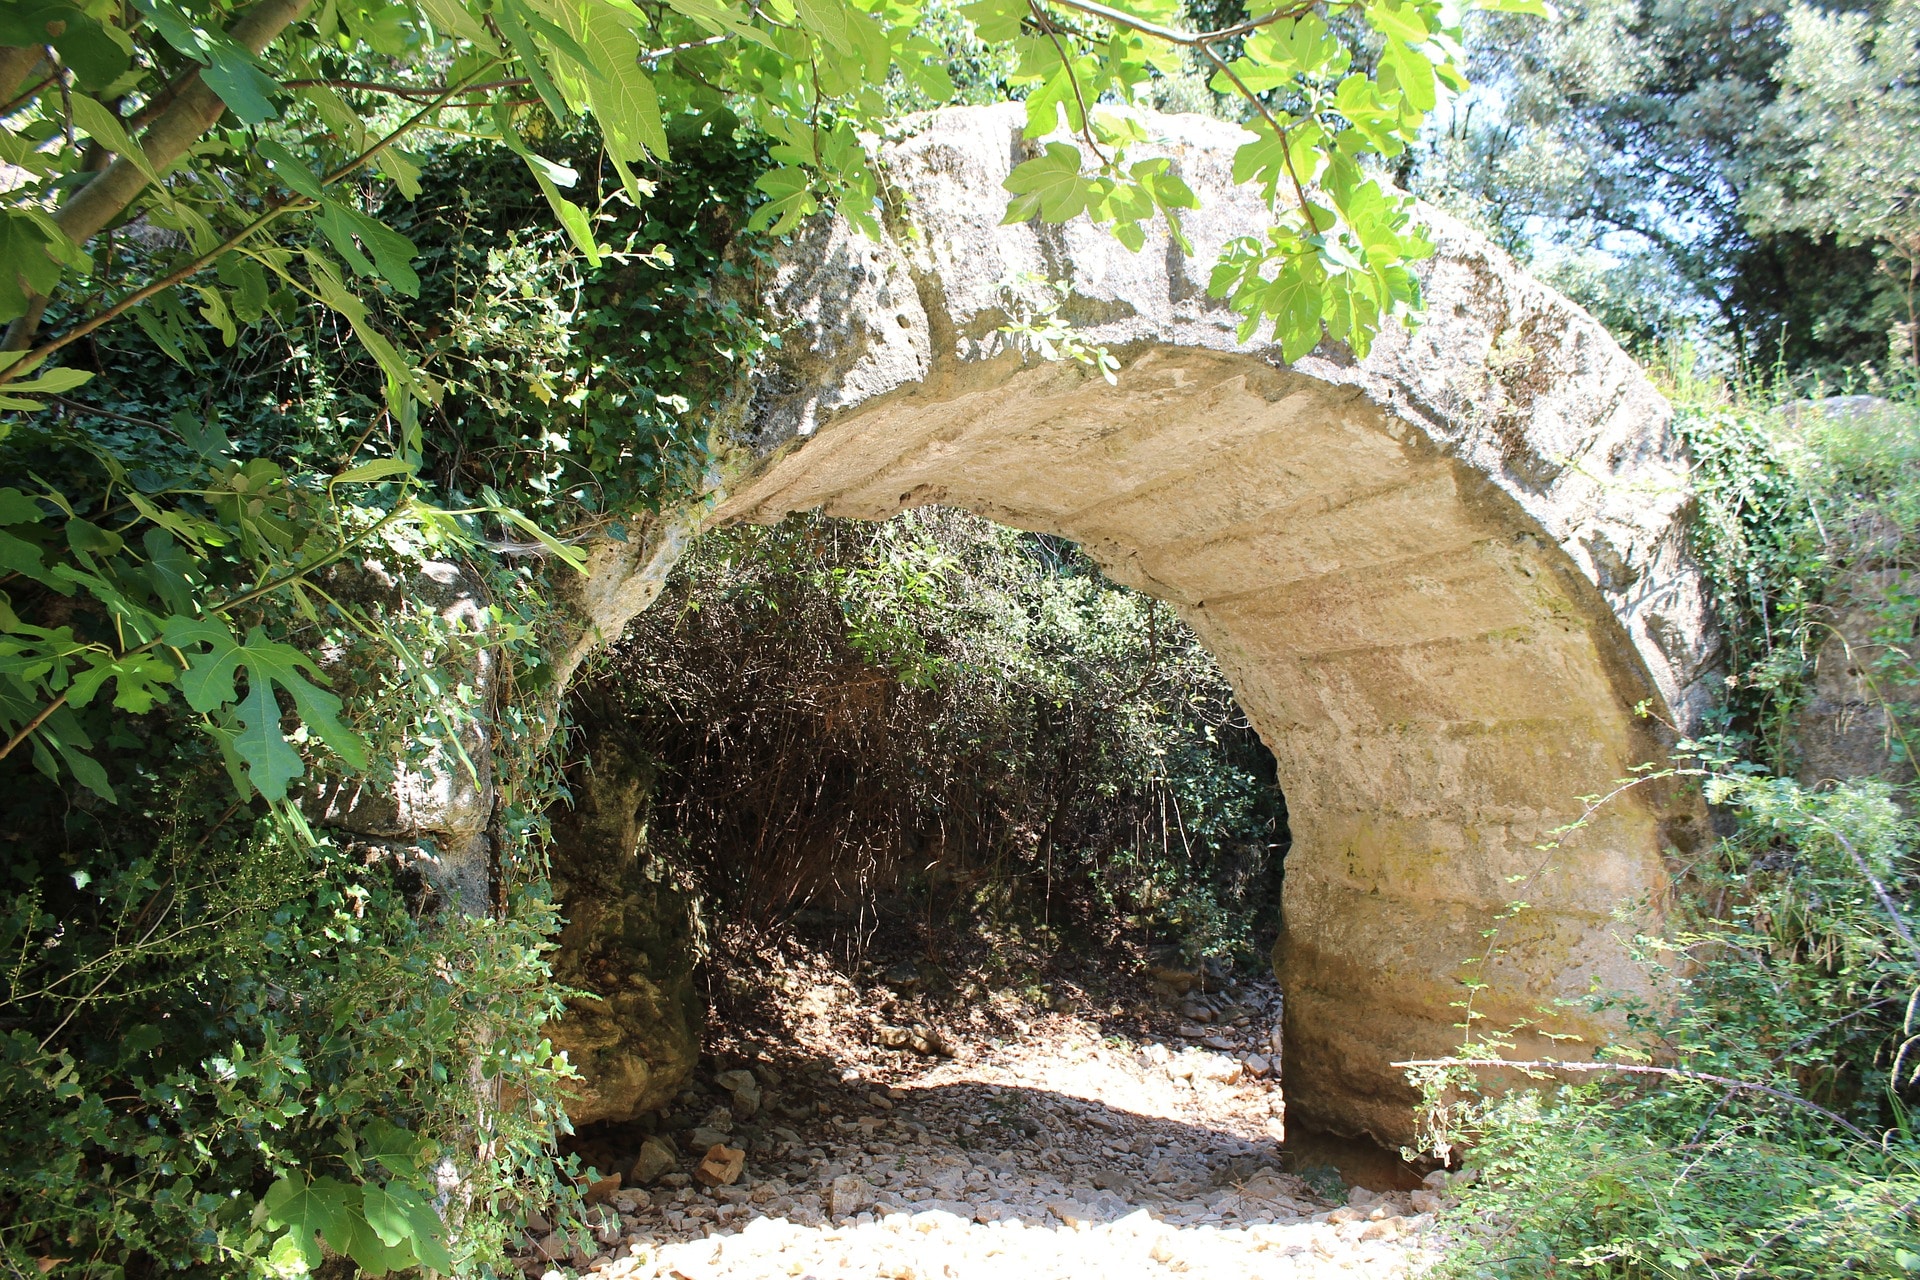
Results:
[944, 709]
[221, 1027]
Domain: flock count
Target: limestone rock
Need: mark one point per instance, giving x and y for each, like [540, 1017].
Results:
[849, 1194]
[744, 1089]
[721, 1166]
[1849, 727]
[703, 1138]
[1440, 578]
[431, 815]
[629, 940]
[655, 1158]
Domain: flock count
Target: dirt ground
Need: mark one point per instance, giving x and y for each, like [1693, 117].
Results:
[905, 1120]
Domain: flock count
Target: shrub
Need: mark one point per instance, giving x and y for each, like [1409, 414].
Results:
[940, 705]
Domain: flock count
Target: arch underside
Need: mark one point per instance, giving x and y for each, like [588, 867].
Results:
[1440, 578]
[1437, 682]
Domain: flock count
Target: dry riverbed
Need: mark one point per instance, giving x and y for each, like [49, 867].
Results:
[1011, 1143]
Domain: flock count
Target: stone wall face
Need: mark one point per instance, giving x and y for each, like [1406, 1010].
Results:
[1440, 578]
[630, 945]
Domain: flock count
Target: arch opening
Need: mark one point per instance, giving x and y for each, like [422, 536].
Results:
[1441, 580]
[1435, 681]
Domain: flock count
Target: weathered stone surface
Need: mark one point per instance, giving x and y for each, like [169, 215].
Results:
[656, 1157]
[1440, 578]
[720, 1167]
[430, 812]
[1851, 725]
[629, 939]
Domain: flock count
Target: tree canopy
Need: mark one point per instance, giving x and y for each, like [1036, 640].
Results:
[1722, 169]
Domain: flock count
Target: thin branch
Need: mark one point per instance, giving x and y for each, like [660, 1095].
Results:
[1636, 1069]
[1066, 63]
[1879, 891]
[1280, 131]
[288, 204]
[406, 90]
[1187, 39]
[27, 729]
[27, 95]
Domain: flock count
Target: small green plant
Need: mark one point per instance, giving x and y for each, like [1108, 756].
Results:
[1037, 328]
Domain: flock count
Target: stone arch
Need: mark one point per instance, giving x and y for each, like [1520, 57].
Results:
[1440, 579]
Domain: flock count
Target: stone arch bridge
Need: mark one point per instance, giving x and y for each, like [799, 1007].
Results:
[1441, 579]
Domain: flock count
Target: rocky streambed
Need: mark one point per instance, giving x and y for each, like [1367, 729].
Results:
[1072, 1143]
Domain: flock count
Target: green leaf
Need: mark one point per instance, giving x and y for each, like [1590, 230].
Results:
[1410, 73]
[455, 19]
[376, 470]
[1262, 160]
[52, 382]
[214, 660]
[271, 760]
[619, 91]
[997, 21]
[291, 169]
[97, 54]
[572, 217]
[87, 772]
[391, 1145]
[721, 18]
[1397, 19]
[17, 555]
[791, 198]
[241, 84]
[103, 127]
[570, 555]
[89, 539]
[17, 508]
[334, 292]
[322, 1207]
[399, 1216]
[248, 280]
[27, 268]
[392, 252]
[205, 436]
[1049, 185]
[137, 679]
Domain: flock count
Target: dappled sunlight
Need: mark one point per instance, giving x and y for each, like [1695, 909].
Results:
[1077, 1146]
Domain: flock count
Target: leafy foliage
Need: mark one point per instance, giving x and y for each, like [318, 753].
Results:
[224, 1030]
[1787, 971]
[945, 712]
[140, 203]
[1846, 120]
[1629, 149]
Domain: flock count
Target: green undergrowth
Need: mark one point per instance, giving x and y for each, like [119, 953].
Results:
[232, 1031]
[1756, 1121]
[950, 718]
